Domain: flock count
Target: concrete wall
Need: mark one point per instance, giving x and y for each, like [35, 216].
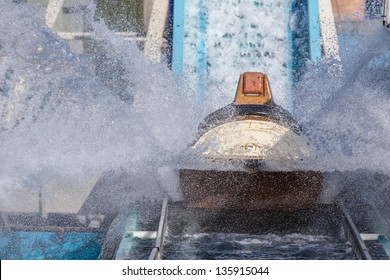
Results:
[148, 5]
[16, 197]
[69, 19]
[59, 195]
[119, 15]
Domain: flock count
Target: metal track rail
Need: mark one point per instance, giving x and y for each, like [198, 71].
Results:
[156, 253]
[353, 236]
[351, 233]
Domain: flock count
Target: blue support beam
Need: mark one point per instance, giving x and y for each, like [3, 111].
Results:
[314, 30]
[289, 59]
[178, 36]
[201, 55]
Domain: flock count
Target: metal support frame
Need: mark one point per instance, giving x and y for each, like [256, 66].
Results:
[156, 253]
[154, 40]
[128, 36]
[354, 237]
[54, 222]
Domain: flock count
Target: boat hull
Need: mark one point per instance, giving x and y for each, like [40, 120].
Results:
[254, 138]
[261, 190]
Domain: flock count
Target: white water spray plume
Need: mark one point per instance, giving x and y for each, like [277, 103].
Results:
[60, 116]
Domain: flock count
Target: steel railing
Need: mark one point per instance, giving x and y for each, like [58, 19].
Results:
[156, 253]
[353, 236]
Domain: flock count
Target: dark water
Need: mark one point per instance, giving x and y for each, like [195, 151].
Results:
[221, 246]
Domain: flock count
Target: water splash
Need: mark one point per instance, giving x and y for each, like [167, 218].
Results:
[59, 117]
[345, 105]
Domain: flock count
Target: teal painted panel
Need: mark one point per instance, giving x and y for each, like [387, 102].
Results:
[201, 54]
[289, 59]
[127, 243]
[178, 36]
[50, 245]
[314, 30]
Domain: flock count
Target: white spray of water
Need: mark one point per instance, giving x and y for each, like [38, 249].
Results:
[346, 117]
[58, 118]
[347, 113]
[240, 36]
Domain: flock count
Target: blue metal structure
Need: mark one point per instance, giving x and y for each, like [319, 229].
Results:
[178, 36]
[314, 30]
[303, 42]
[201, 54]
[127, 242]
[23, 245]
[289, 62]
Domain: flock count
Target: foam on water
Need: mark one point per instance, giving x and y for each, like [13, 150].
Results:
[240, 36]
[246, 246]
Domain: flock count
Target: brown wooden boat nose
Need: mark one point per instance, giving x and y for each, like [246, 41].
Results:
[253, 88]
